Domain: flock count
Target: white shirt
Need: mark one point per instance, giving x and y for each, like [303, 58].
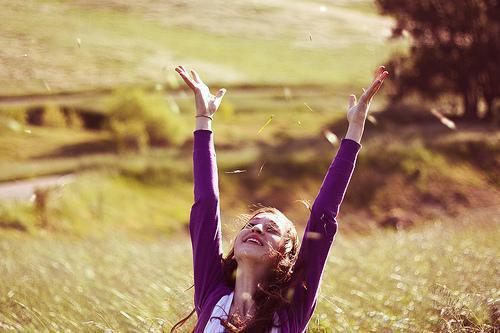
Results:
[221, 309]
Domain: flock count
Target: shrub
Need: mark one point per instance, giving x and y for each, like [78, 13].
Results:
[129, 135]
[17, 113]
[12, 118]
[137, 119]
[73, 118]
[53, 116]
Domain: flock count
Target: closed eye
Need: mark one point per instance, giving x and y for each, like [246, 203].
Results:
[273, 230]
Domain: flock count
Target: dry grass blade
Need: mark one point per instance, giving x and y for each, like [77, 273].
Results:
[267, 123]
[260, 170]
[445, 121]
[307, 106]
[236, 171]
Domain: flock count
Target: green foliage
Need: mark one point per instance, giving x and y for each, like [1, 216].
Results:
[17, 113]
[12, 118]
[73, 118]
[17, 216]
[137, 120]
[53, 116]
[454, 48]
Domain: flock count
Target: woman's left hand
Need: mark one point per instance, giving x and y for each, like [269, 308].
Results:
[358, 111]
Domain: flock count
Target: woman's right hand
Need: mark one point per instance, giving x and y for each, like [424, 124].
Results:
[206, 103]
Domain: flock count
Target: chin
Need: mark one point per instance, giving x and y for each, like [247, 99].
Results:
[249, 253]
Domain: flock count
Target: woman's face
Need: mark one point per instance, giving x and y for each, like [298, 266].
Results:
[260, 239]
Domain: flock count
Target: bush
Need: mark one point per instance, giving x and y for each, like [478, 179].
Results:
[138, 120]
[53, 116]
[17, 113]
[73, 118]
[12, 118]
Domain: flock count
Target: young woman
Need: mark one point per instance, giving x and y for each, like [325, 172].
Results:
[267, 283]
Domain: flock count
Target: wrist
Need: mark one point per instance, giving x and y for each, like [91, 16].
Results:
[203, 123]
[355, 132]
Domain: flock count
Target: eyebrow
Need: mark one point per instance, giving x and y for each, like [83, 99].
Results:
[272, 222]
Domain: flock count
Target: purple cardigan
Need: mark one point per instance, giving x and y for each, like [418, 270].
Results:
[205, 231]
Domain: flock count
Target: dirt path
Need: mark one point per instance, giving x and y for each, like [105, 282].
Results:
[23, 190]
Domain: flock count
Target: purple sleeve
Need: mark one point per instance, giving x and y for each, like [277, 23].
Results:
[204, 223]
[319, 235]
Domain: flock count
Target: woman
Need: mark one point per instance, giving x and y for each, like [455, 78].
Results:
[265, 283]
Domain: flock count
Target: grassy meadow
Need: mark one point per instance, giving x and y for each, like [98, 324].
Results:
[89, 90]
[437, 278]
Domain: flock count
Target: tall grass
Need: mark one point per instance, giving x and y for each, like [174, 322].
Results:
[441, 278]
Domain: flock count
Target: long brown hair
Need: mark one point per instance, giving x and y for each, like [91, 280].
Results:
[271, 295]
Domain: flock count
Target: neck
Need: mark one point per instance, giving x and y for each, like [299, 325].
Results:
[248, 276]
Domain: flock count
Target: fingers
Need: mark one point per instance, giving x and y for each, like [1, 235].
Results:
[220, 93]
[218, 97]
[374, 87]
[196, 76]
[379, 71]
[352, 101]
[182, 72]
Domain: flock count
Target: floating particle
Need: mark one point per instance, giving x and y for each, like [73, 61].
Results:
[322, 9]
[307, 106]
[267, 123]
[27, 131]
[306, 203]
[287, 93]
[445, 121]
[79, 42]
[372, 119]
[260, 170]
[448, 123]
[236, 171]
[45, 83]
[313, 235]
[25, 55]
[158, 87]
[332, 138]
[310, 37]
[299, 123]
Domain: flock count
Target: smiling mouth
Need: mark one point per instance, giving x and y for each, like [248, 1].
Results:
[253, 240]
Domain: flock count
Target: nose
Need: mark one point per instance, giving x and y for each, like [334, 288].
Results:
[257, 228]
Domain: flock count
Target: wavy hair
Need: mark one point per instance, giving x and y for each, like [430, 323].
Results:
[272, 294]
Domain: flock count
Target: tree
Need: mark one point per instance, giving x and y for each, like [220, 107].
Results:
[455, 47]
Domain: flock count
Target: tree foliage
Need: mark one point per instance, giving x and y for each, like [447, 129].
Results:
[455, 47]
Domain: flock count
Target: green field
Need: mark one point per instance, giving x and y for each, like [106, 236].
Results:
[438, 278]
[51, 46]
[109, 251]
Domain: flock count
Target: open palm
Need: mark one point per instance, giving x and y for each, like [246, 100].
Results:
[358, 111]
[206, 103]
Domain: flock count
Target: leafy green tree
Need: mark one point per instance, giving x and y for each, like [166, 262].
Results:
[455, 47]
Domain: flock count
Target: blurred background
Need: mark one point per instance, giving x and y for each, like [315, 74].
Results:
[96, 155]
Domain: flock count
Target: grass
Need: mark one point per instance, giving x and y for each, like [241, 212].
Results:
[438, 278]
[104, 45]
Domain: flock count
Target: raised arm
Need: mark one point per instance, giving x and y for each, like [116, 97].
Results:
[204, 223]
[322, 225]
